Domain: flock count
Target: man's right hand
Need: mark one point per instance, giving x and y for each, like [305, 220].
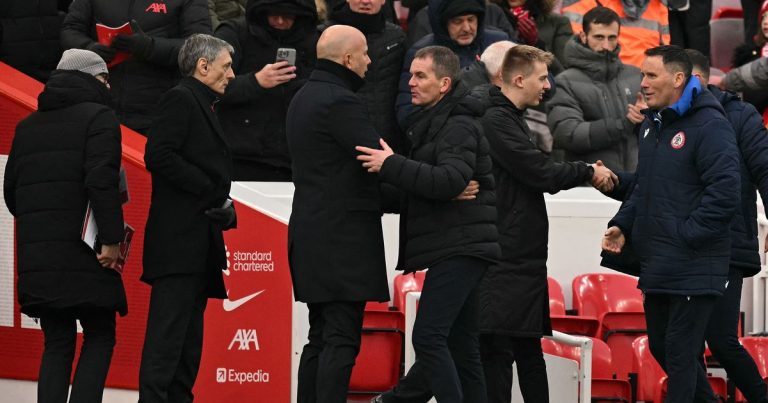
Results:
[633, 110]
[108, 255]
[470, 192]
[603, 179]
[105, 52]
[613, 240]
[275, 74]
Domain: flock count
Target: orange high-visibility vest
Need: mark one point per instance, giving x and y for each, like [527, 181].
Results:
[635, 36]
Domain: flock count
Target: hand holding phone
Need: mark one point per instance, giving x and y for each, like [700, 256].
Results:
[287, 54]
[282, 71]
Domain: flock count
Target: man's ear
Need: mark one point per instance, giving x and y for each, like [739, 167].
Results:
[679, 80]
[202, 66]
[583, 37]
[517, 80]
[445, 85]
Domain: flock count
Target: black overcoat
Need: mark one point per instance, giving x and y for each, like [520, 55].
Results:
[513, 294]
[63, 156]
[335, 241]
[191, 168]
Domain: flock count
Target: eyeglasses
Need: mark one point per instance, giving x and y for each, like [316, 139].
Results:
[103, 78]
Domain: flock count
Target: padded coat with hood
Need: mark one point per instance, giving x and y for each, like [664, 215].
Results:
[253, 117]
[587, 115]
[680, 210]
[64, 156]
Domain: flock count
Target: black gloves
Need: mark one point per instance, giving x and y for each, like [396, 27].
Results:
[137, 44]
[104, 51]
[223, 216]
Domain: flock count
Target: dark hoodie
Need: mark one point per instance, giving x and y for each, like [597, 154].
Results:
[440, 11]
[64, 156]
[253, 118]
[447, 150]
[679, 213]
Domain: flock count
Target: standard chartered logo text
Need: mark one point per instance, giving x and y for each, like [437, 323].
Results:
[253, 261]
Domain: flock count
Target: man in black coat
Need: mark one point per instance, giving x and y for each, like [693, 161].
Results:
[159, 29]
[65, 159]
[183, 244]
[456, 240]
[386, 48]
[514, 303]
[335, 241]
[253, 110]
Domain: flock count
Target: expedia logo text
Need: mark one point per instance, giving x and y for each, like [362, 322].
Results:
[224, 375]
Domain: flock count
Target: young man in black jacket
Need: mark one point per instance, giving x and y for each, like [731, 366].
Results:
[65, 157]
[456, 240]
[514, 304]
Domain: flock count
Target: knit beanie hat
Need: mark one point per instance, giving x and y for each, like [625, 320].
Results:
[82, 60]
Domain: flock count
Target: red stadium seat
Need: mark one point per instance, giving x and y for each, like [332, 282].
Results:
[379, 363]
[570, 324]
[604, 387]
[405, 283]
[757, 347]
[618, 305]
[726, 32]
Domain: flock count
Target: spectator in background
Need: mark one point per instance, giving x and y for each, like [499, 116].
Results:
[153, 47]
[457, 25]
[750, 79]
[253, 110]
[514, 302]
[645, 24]
[537, 25]
[597, 104]
[419, 26]
[65, 157]
[386, 48]
[335, 241]
[679, 213]
[753, 49]
[689, 24]
[222, 10]
[456, 240]
[29, 36]
[387, 9]
[190, 165]
[751, 25]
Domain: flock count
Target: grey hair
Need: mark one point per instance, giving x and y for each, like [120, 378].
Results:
[493, 56]
[200, 46]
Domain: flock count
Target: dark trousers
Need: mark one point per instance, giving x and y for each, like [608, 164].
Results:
[499, 352]
[690, 28]
[751, 26]
[60, 332]
[722, 339]
[327, 359]
[174, 339]
[445, 338]
[676, 326]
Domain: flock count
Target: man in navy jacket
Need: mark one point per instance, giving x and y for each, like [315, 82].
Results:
[679, 213]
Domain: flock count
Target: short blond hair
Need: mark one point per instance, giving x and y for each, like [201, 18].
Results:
[521, 59]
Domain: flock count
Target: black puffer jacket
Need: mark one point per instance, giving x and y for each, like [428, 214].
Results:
[386, 48]
[513, 294]
[29, 36]
[253, 117]
[138, 84]
[448, 150]
[62, 156]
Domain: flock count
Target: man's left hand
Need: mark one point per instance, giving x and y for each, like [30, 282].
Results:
[138, 43]
[372, 158]
[470, 192]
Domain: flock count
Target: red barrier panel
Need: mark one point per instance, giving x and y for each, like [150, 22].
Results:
[247, 351]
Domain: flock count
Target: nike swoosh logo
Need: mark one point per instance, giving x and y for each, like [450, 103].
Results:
[230, 305]
[226, 272]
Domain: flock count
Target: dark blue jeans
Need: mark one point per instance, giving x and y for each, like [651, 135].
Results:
[722, 339]
[446, 338]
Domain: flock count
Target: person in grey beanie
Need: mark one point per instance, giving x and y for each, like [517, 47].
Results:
[64, 161]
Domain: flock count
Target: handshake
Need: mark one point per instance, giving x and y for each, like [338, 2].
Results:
[603, 179]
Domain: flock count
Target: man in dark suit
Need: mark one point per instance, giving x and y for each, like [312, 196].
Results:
[183, 245]
[335, 241]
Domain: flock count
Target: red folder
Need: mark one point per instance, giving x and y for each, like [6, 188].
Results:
[106, 34]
